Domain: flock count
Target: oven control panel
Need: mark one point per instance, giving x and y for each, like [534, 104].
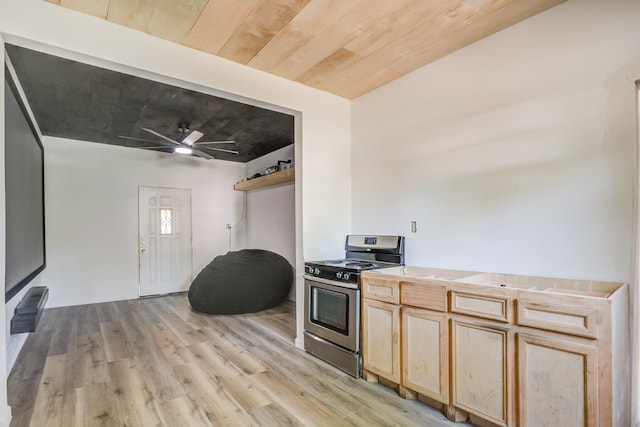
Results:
[343, 275]
[331, 274]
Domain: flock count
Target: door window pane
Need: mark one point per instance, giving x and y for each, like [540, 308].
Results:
[166, 221]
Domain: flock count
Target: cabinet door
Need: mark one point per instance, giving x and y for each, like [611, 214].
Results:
[480, 377]
[381, 339]
[425, 353]
[557, 381]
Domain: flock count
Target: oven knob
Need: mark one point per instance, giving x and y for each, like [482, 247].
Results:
[346, 276]
[310, 270]
[316, 271]
[339, 274]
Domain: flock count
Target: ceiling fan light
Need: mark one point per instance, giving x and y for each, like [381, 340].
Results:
[182, 150]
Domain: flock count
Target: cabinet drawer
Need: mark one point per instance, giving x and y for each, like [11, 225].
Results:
[432, 296]
[381, 290]
[581, 321]
[495, 307]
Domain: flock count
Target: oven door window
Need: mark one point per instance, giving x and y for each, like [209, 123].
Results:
[330, 309]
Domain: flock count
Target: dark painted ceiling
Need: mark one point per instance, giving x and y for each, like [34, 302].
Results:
[79, 101]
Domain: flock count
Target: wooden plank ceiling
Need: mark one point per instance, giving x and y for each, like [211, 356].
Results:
[346, 47]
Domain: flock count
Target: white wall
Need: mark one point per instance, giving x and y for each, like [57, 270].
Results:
[14, 342]
[260, 164]
[515, 154]
[92, 214]
[271, 211]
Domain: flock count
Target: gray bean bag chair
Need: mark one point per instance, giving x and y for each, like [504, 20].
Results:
[244, 281]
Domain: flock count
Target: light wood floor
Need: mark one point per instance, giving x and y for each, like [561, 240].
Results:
[155, 362]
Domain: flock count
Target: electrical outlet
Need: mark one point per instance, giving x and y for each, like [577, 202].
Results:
[228, 226]
[413, 227]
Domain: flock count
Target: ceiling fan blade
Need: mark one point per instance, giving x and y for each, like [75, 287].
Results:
[136, 139]
[201, 154]
[221, 149]
[214, 142]
[153, 132]
[192, 137]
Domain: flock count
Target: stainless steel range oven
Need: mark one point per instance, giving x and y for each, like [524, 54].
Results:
[332, 298]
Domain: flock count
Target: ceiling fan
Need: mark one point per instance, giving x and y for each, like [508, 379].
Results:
[188, 144]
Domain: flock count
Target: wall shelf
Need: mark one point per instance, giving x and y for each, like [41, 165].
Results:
[272, 179]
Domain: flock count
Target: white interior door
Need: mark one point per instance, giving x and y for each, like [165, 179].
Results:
[164, 240]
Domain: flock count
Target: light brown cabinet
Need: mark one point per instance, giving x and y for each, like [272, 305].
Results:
[381, 340]
[557, 379]
[502, 349]
[480, 374]
[425, 339]
[425, 353]
[557, 368]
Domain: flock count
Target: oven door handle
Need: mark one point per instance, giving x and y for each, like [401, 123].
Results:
[331, 282]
